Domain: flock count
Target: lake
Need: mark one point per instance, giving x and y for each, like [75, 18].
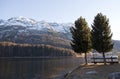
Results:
[36, 68]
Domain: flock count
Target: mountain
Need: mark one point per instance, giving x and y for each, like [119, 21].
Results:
[27, 30]
[116, 45]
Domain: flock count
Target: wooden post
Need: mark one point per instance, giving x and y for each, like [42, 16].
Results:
[111, 60]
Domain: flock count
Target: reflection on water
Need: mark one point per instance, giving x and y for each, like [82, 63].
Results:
[36, 68]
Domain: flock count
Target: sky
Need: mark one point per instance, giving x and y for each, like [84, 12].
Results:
[64, 11]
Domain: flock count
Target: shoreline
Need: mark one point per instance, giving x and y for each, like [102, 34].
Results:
[71, 71]
[66, 74]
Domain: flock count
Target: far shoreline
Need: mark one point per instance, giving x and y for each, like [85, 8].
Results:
[40, 57]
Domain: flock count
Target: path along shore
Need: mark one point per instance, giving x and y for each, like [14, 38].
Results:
[92, 71]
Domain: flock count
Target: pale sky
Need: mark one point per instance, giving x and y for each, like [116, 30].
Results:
[63, 11]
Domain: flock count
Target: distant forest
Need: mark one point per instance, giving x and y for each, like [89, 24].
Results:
[9, 49]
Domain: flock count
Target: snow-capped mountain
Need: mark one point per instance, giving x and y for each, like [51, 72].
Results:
[29, 23]
[27, 30]
[18, 21]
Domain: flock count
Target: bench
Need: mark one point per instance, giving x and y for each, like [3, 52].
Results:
[110, 60]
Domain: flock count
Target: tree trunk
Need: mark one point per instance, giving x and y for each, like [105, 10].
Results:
[104, 58]
[86, 58]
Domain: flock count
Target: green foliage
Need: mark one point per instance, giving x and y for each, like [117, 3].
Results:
[81, 35]
[9, 49]
[101, 35]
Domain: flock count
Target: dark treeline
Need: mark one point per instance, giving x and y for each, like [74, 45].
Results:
[9, 49]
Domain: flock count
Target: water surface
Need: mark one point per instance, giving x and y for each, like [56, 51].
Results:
[36, 68]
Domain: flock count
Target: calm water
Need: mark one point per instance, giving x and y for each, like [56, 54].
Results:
[36, 68]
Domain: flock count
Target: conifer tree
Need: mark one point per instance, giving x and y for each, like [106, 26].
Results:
[81, 42]
[101, 35]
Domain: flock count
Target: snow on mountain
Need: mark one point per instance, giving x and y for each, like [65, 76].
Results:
[21, 21]
[31, 24]
[43, 25]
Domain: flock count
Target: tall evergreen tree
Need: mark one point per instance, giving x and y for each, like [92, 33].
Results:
[101, 35]
[81, 42]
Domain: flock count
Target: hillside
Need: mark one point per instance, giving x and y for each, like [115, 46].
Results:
[26, 30]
